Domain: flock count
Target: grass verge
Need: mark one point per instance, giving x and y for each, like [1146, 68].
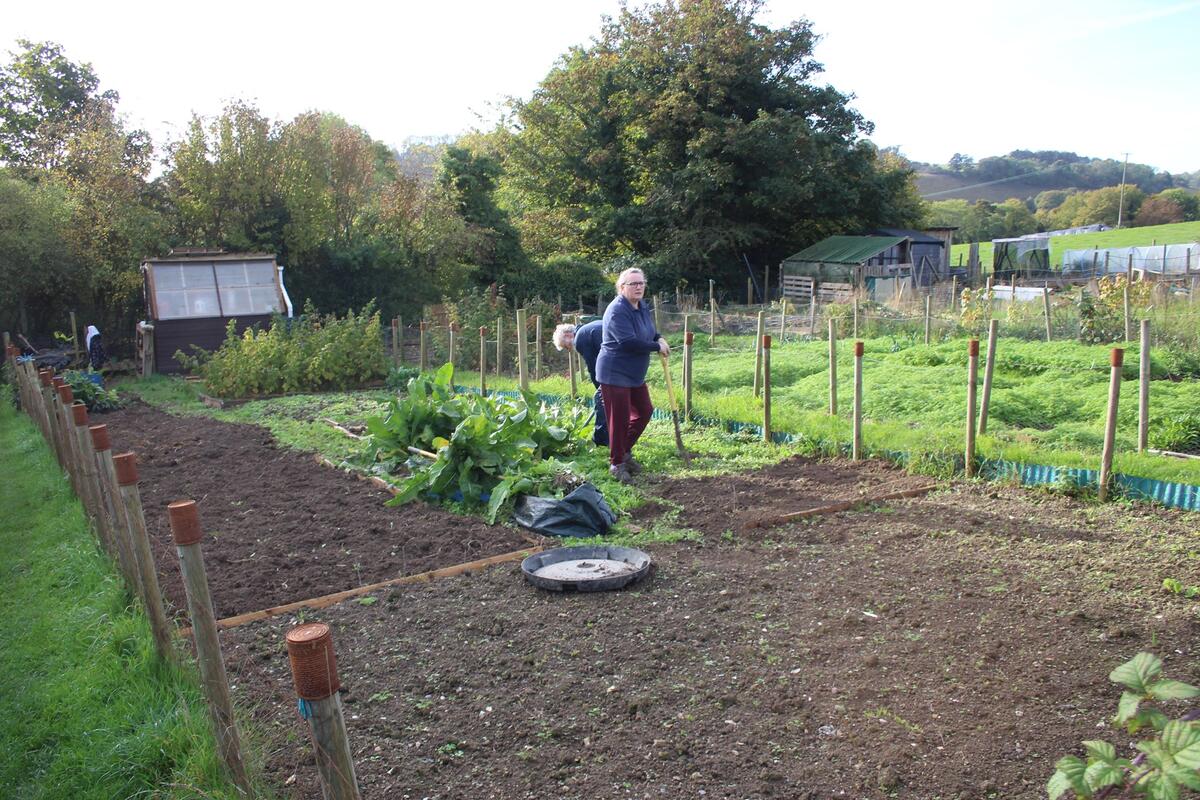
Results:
[87, 710]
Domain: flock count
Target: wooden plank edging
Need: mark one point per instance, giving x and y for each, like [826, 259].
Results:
[833, 508]
[327, 600]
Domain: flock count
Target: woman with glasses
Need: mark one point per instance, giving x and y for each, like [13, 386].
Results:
[629, 339]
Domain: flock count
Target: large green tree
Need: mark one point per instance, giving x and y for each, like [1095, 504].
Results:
[691, 134]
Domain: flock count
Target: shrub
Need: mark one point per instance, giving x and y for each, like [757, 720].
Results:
[96, 399]
[309, 353]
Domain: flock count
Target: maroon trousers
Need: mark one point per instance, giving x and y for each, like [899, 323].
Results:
[627, 410]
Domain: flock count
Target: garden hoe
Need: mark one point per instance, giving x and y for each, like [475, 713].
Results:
[679, 448]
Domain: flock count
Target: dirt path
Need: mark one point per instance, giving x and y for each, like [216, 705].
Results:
[952, 646]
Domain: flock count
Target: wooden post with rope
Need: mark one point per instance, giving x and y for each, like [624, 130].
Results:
[315, 677]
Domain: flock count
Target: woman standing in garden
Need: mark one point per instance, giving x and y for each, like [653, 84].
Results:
[629, 339]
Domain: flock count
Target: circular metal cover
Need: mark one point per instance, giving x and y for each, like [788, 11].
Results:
[586, 569]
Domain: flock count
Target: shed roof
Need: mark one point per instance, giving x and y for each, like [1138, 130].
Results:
[846, 249]
[918, 237]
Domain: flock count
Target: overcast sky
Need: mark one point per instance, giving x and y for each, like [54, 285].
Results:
[1097, 77]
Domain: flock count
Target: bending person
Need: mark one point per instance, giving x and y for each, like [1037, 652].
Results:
[629, 339]
[585, 340]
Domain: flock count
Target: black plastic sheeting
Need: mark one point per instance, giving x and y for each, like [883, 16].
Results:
[580, 514]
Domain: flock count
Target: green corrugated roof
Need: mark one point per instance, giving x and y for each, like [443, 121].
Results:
[846, 249]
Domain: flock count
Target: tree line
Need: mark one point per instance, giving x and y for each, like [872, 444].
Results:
[686, 138]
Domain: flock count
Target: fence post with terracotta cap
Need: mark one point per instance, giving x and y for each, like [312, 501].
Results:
[688, 339]
[314, 674]
[482, 361]
[1116, 361]
[41, 379]
[985, 402]
[110, 493]
[972, 377]
[53, 430]
[88, 471]
[856, 441]
[63, 398]
[125, 467]
[185, 529]
[766, 388]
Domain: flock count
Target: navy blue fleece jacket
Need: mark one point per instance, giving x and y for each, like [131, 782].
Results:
[629, 339]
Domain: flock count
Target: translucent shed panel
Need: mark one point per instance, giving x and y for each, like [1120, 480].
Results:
[183, 276]
[245, 273]
[183, 303]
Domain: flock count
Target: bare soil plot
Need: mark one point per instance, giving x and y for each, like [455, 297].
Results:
[951, 646]
[280, 527]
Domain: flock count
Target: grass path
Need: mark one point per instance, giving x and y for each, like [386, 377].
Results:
[87, 710]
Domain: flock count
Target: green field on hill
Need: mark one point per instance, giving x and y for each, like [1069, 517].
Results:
[1176, 233]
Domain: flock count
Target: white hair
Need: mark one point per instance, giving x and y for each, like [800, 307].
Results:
[626, 273]
[560, 335]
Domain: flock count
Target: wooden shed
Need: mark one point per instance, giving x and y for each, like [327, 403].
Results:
[191, 295]
[834, 267]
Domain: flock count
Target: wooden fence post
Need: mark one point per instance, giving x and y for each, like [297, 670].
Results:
[954, 291]
[537, 347]
[571, 356]
[1116, 361]
[1046, 308]
[758, 353]
[749, 291]
[52, 418]
[972, 374]
[767, 283]
[1128, 318]
[856, 446]
[396, 339]
[424, 353]
[928, 301]
[74, 337]
[812, 313]
[1144, 388]
[985, 402]
[185, 529]
[125, 465]
[833, 337]
[712, 312]
[657, 318]
[991, 299]
[522, 350]
[766, 388]
[399, 340]
[89, 483]
[499, 344]
[111, 492]
[450, 342]
[482, 361]
[854, 302]
[315, 676]
[782, 317]
[687, 375]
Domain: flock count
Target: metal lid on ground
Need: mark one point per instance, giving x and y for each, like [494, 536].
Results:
[586, 569]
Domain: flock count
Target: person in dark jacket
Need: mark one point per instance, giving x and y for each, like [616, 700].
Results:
[629, 339]
[585, 340]
[95, 348]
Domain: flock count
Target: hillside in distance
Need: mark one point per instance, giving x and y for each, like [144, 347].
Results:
[1024, 174]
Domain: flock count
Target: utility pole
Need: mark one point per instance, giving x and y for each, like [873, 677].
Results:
[1121, 202]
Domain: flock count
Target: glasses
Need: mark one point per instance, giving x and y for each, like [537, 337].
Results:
[635, 283]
